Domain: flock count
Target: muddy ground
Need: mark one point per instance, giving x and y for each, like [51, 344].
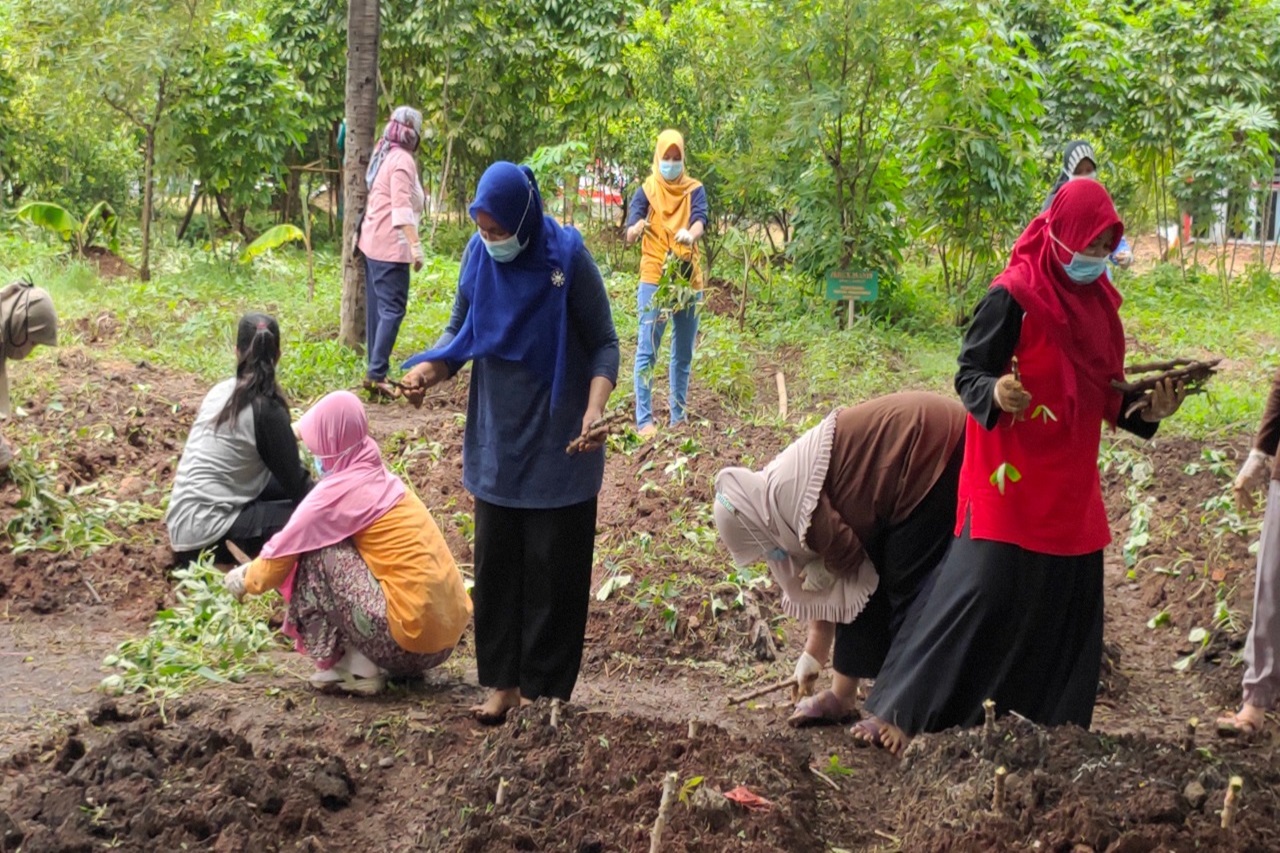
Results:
[265, 765]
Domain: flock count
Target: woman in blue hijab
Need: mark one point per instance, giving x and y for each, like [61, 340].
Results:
[532, 316]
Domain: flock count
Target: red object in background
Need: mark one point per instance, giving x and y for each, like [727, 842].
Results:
[750, 801]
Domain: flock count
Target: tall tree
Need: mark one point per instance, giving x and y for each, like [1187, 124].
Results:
[362, 121]
[130, 55]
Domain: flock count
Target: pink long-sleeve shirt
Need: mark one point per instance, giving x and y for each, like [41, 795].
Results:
[395, 199]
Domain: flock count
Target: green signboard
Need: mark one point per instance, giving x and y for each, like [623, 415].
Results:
[853, 285]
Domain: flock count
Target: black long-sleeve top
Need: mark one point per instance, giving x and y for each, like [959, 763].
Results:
[989, 345]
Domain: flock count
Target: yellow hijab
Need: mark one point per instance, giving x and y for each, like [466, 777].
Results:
[670, 203]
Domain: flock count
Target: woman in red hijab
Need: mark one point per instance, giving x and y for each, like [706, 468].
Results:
[1015, 613]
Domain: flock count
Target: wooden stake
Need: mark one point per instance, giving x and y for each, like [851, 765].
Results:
[782, 394]
[92, 591]
[1231, 802]
[235, 551]
[762, 691]
[695, 729]
[501, 796]
[1189, 742]
[997, 799]
[664, 810]
[989, 707]
[555, 713]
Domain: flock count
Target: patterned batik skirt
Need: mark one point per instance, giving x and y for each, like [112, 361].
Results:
[337, 604]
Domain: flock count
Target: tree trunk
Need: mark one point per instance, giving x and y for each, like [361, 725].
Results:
[362, 119]
[148, 195]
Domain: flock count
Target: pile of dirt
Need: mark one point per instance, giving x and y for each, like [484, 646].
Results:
[112, 432]
[146, 786]
[108, 263]
[1071, 790]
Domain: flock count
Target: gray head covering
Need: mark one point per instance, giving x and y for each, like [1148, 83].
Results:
[404, 130]
[27, 318]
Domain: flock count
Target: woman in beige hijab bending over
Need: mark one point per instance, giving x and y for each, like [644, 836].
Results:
[852, 520]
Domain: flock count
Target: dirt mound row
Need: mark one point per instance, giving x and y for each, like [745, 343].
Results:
[148, 787]
[594, 783]
[1076, 791]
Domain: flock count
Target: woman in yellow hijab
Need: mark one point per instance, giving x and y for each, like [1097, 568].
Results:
[670, 212]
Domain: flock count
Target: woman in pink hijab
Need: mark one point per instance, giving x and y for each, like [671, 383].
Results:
[372, 588]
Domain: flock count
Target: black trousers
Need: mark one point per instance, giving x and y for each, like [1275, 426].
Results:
[906, 556]
[533, 584]
[259, 520]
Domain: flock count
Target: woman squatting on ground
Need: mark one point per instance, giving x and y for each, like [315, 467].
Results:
[27, 319]
[372, 589]
[240, 476]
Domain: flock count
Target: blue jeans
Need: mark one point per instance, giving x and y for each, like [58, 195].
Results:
[386, 290]
[684, 330]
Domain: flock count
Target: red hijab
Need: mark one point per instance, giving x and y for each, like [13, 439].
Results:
[1083, 319]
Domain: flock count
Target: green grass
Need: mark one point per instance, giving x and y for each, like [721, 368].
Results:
[184, 319]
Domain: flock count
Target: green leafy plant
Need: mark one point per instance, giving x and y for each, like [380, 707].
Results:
[690, 785]
[205, 636]
[1005, 473]
[277, 236]
[835, 768]
[77, 522]
[78, 234]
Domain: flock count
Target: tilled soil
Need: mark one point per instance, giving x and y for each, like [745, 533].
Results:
[268, 766]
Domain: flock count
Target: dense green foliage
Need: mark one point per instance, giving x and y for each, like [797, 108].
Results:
[856, 133]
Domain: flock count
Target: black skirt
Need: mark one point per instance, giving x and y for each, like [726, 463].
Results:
[1002, 623]
[905, 555]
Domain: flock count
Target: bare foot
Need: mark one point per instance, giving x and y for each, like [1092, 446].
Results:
[647, 431]
[493, 711]
[893, 739]
[869, 731]
[1246, 723]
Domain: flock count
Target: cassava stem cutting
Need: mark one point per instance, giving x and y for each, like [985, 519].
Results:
[597, 432]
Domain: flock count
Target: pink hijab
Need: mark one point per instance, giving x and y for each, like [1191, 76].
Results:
[356, 490]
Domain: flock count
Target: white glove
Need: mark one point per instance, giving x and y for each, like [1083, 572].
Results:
[806, 675]
[1253, 473]
[1122, 259]
[418, 258]
[816, 577]
[234, 581]
[684, 238]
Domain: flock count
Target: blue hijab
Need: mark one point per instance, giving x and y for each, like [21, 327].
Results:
[519, 309]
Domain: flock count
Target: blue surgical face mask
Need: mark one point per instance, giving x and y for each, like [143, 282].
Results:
[504, 251]
[318, 467]
[670, 169]
[1082, 268]
[508, 249]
